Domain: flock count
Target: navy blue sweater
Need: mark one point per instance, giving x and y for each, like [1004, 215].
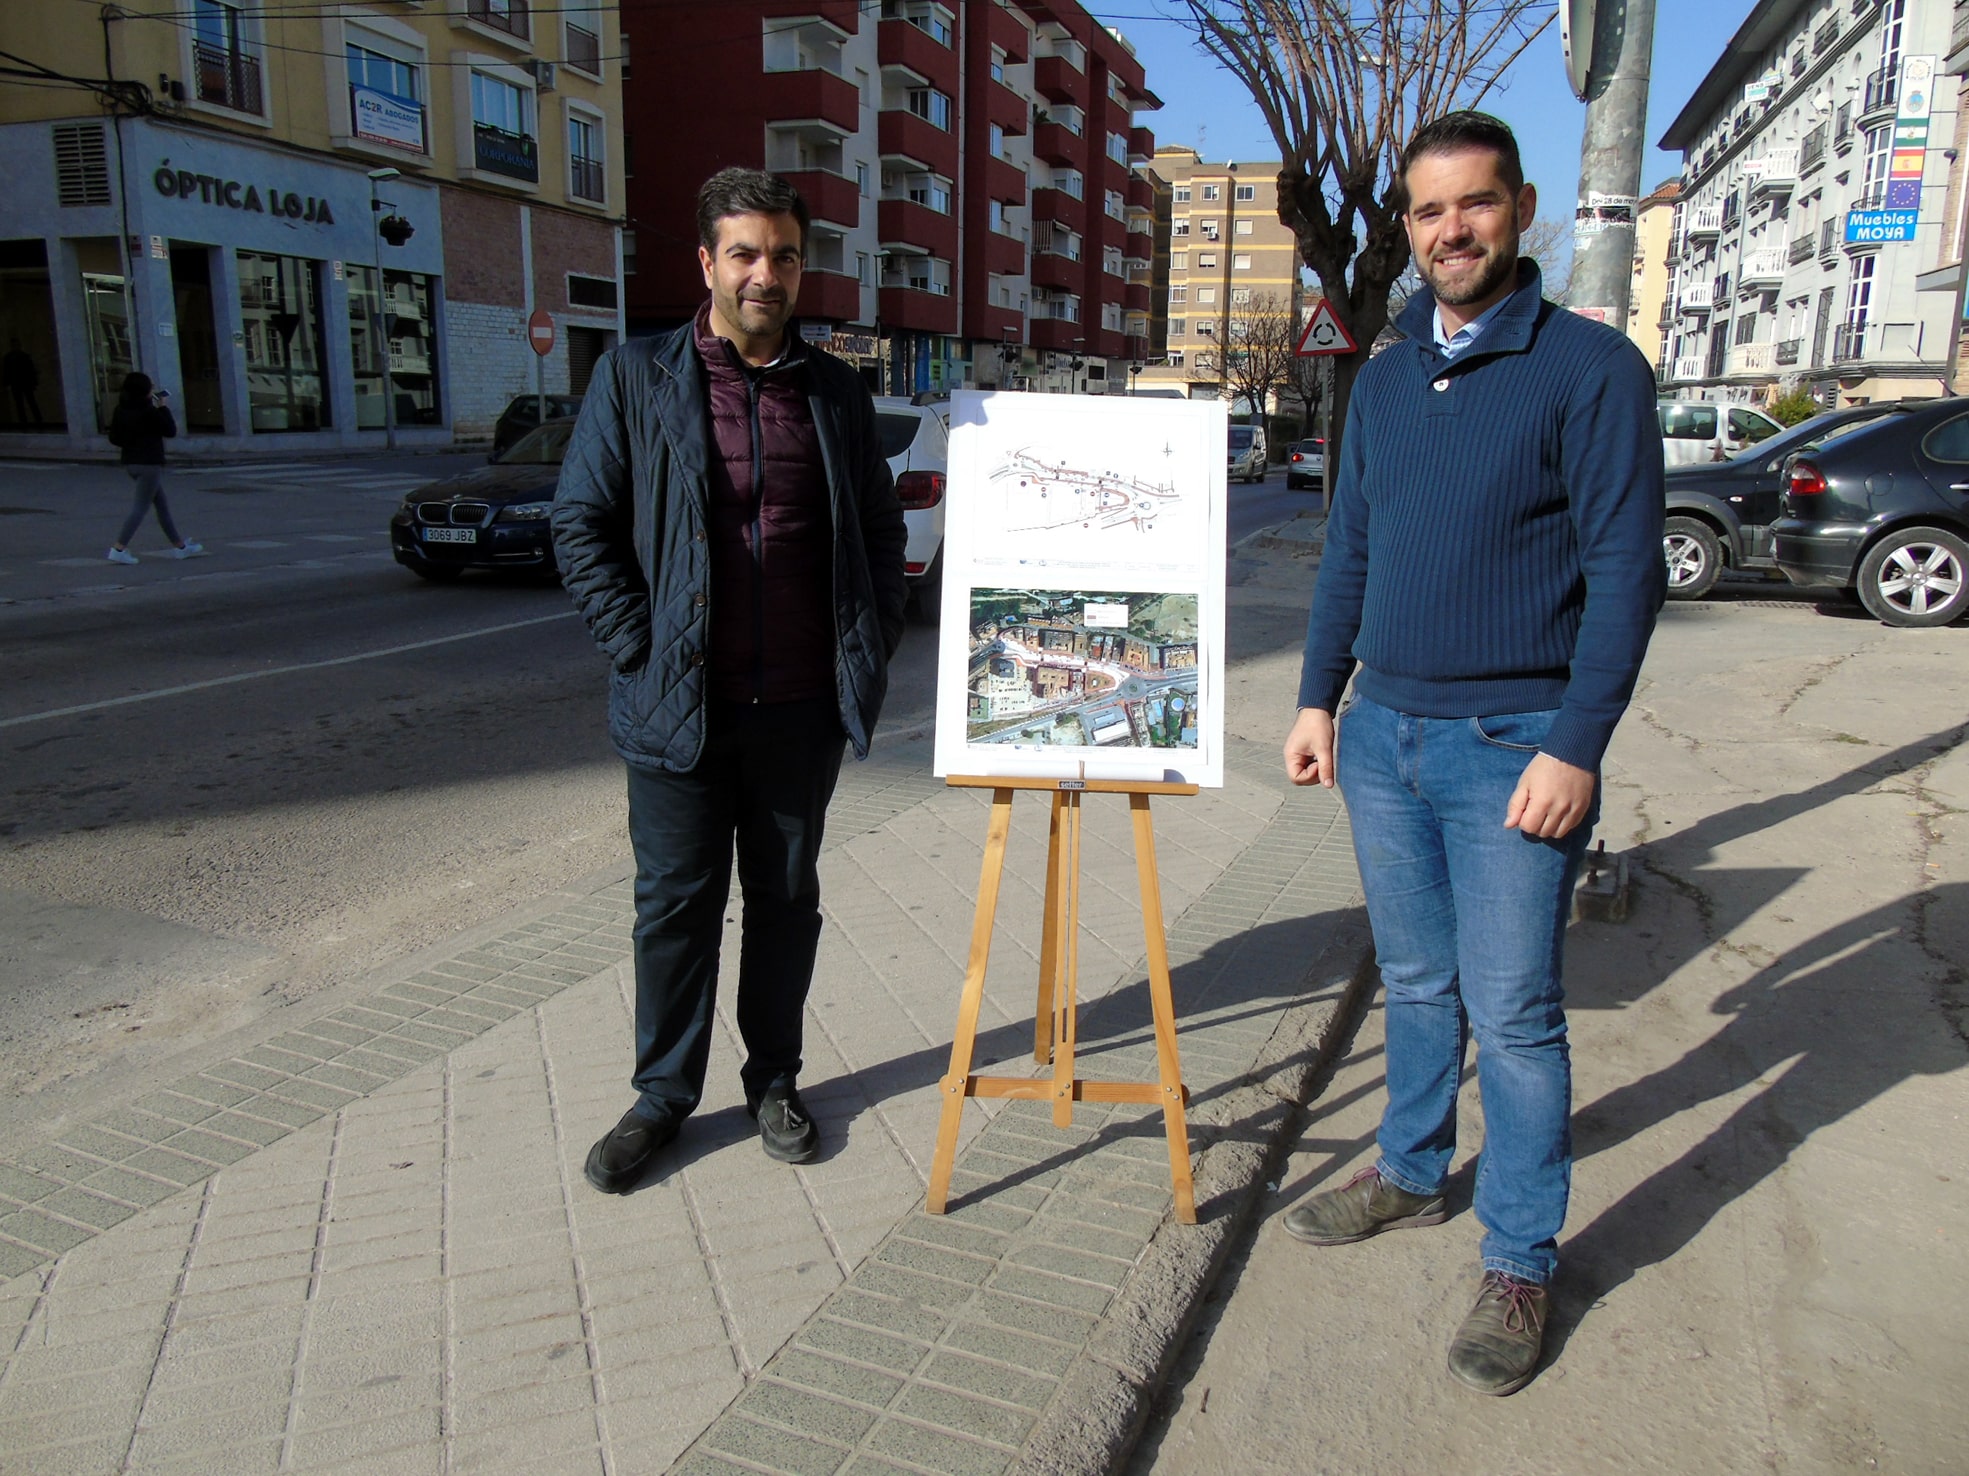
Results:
[1495, 540]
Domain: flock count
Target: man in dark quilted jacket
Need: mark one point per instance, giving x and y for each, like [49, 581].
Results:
[727, 525]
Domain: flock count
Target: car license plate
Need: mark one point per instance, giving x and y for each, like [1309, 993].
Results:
[449, 535]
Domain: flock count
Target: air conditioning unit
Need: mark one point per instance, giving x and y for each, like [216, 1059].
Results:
[543, 74]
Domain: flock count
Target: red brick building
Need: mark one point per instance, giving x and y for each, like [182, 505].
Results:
[968, 165]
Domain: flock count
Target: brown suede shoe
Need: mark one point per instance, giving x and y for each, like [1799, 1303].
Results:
[1496, 1349]
[1365, 1205]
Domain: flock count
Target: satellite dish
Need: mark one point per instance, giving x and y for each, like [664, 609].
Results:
[1576, 41]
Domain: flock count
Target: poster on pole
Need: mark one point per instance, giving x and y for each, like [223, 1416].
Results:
[1083, 589]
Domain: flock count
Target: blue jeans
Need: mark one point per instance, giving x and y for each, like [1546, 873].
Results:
[1469, 924]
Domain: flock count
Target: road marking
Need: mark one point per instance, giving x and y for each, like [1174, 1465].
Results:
[338, 537]
[274, 671]
[255, 543]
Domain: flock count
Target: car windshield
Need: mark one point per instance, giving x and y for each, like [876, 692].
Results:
[898, 430]
[1308, 448]
[1240, 438]
[1807, 435]
[543, 447]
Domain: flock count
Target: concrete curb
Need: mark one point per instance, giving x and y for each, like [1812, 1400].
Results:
[1104, 1402]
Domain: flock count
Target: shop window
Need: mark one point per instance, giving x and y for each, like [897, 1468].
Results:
[404, 320]
[586, 177]
[280, 315]
[223, 60]
[31, 365]
[502, 133]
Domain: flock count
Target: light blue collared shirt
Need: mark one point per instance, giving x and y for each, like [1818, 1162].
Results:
[1453, 344]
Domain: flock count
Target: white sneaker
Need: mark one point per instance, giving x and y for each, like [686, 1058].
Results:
[187, 550]
[122, 556]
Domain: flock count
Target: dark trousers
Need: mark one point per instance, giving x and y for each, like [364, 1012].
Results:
[765, 778]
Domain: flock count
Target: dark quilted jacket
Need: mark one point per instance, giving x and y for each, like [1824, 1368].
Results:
[771, 538]
[632, 537]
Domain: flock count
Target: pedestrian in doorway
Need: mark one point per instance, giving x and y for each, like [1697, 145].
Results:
[1469, 757]
[21, 378]
[728, 527]
[140, 425]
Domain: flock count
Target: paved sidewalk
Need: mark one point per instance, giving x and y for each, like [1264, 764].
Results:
[358, 1239]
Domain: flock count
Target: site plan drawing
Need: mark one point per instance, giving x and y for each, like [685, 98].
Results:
[1083, 588]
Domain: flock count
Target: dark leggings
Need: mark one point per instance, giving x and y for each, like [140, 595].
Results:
[150, 492]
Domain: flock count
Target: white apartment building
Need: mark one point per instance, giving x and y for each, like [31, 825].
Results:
[1793, 131]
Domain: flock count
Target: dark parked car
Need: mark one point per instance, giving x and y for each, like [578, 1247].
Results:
[493, 518]
[1884, 512]
[1720, 513]
[1305, 464]
[522, 414]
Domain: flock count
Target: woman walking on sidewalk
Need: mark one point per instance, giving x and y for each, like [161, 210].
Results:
[141, 425]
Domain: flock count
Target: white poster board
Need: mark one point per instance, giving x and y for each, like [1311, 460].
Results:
[1083, 589]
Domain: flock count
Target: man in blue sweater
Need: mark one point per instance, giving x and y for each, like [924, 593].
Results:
[1491, 577]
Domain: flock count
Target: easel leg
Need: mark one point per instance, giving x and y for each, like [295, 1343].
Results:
[963, 1045]
[1067, 1033]
[1169, 1072]
[1044, 1026]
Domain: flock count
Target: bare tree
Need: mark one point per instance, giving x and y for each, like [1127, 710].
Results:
[1256, 358]
[1540, 242]
[1342, 84]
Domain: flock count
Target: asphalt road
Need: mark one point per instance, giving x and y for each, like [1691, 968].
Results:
[232, 781]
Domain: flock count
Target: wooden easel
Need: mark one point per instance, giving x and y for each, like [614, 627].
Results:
[1055, 1027]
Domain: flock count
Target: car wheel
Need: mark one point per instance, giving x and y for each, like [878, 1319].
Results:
[437, 573]
[1915, 577]
[1694, 557]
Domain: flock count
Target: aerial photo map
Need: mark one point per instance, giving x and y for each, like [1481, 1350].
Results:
[1082, 669]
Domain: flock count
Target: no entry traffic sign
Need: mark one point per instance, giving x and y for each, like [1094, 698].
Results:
[540, 332]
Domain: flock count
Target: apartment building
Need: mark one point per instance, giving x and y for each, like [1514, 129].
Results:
[976, 220]
[317, 227]
[1649, 319]
[1815, 173]
[1230, 261]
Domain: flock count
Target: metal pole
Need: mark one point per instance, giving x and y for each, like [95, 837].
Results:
[383, 326]
[1326, 435]
[1610, 163]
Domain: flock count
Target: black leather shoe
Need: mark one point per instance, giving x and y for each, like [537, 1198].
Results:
[786, 1132]
[616, 1162]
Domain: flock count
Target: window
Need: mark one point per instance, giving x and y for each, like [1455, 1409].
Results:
[1874, 190]
[1118, 148]
[1213, 192]
[1240, 297]
[1179, 228]
[1206, 327]
[1178, 327]
[1208, 229]
[281, 322]
[929, 104]
[628, 253]
[863, 274]
[1206, 259]
[502, 15]
[402, 326]
[1746, 329]
[582, 48]
[502, 135]
[997, 145]
[996, 213]
[586, 178]
[1179, 295]
[1114, 205]
[1206, 295]
[1176, 359]
[930, 19]
[861, 180]
[1069, 182]
[1244, 227]
[1246, 192]
[385, 93]
[1179, 261]
[930, 191]
[997, 64]
[228, 72]
[1241, 262]
[1182, 194]
[591, 292]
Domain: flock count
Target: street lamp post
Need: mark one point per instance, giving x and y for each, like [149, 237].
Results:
[380, 325]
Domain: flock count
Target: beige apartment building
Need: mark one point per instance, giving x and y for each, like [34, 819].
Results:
[1649, 318]
[1230, 260]
[317, 226]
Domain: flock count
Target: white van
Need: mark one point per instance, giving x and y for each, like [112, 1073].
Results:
[1246, 457]
[1704, 430]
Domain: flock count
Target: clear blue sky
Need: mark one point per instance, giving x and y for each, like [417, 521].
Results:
[1206, 108]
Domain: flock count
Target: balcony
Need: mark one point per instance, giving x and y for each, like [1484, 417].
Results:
[1848, 342]
[843, 15]
[496, 151]
[1054, 143]
[587, 180]
[1787, 353]
[502, 15]
[1704, 220]
[1058, 80]
[831, 198]
[1059, 335]
[918, 311]
[1140, 193]
[903, 135]
[1882, 91]
[1005, 108]
[1766, 265]
[1689, 366]
[907, 224]
[1051, 269]
[1751, 358]
[1004, 30]
[583, 50]
[1695, 297]
[1800, 249]
[813, 96]
[231, 79]
[1052, 204]
[1141, 144]
[1828, 240]
[1003, 181]
[1135, 297]
[1812, 153]
[1112, 231]
[1004, 256]
[1776, 173]
[901, 43]
[830, 295]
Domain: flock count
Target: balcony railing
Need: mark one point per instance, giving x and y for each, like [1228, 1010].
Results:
[1689, 366]
[1777, 170]
[586, 179]
[1882, 90]
[1812, 153]
[502, 15]
[1799, 249]
[229, 78]
[496, 151]
[584, 49]
[1751, 358]
[1788, 351]
[1848, 342]
[1695, 297]
[1766, 265]
[1704, 220]
[1828, 237]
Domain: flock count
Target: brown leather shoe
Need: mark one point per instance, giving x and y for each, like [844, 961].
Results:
[1365, 1205]
[1496, 1349]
